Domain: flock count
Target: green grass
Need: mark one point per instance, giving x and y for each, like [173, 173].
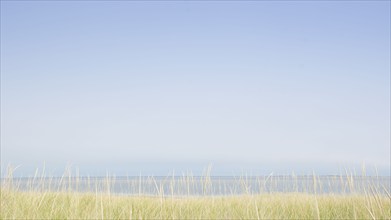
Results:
[99, 203]
[68, 205]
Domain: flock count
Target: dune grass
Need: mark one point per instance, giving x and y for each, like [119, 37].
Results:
[67, 203]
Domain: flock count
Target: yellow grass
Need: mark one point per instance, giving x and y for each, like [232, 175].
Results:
[66, 203]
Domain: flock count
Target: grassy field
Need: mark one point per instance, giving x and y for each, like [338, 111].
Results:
[40, 202]
[64, 205]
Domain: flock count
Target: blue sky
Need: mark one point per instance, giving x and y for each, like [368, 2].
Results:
[152, 86]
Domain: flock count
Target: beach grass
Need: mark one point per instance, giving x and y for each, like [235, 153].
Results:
[73, 205]
[41, 202]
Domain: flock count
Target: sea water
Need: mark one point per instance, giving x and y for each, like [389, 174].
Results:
[206, 185]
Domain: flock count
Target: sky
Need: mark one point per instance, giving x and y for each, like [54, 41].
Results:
[152, 86]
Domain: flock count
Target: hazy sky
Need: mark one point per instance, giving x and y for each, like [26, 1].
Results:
[110, 84]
